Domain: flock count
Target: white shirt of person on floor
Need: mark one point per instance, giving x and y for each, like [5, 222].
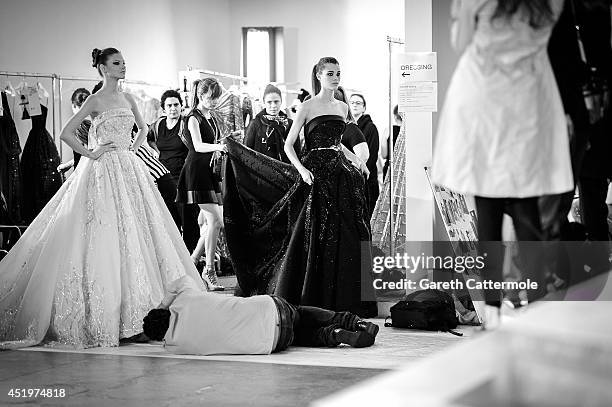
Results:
[203, 323]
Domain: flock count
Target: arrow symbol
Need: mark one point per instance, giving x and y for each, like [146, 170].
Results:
[404, 74]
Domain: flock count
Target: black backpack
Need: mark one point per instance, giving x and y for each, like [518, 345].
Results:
[431, 310]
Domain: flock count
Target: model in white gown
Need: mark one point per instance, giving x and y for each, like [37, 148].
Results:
[98, 257]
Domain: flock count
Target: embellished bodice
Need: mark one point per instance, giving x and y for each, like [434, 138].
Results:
[114, 125]
[324, 132]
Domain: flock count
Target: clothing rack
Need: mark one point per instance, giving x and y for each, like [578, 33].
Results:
[56, 83]
[86, 79]
[223, 75]
[54, 79]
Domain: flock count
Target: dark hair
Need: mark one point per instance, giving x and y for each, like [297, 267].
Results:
[362, 98]
[303, 95]
[78, 96]
[156, 323]
[539, 11]
[340, 94]
[396, 110]
[99, 56]
[318, 68]
[201, 87]
[209, 85]
[271, 89]
[170, 93]
[97, 87]
[194, 94]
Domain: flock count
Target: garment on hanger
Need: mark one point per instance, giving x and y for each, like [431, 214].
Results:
[380, 222]
[29, 100]
[228, 114]
[39, 162]
[10, 173]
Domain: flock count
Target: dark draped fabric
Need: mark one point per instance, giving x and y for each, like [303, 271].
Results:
[10, 173]
[300, 242]
[39, 162]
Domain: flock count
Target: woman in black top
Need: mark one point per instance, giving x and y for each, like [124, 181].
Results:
[369, 130]
[197, 184]
[352, 138]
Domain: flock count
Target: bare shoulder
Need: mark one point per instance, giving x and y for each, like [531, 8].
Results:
[307, 104]
[130, 98]
[343, 107]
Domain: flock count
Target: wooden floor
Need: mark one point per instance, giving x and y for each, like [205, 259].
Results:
[145, 374]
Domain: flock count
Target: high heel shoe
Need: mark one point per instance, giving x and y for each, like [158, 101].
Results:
[210, 278]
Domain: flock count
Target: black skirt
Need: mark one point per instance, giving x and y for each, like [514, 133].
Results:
[196, 184]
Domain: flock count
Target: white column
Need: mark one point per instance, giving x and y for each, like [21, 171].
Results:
[419, 198]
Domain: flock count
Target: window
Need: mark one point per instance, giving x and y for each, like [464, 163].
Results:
[262, 54]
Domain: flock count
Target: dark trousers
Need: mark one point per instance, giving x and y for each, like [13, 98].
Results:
[189, 220]
[526, 219]
[167, 189]
[310, 326]
[593, 207]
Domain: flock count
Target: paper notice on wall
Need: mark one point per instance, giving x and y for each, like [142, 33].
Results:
[29, 100]
[417, 76]
[418, 97]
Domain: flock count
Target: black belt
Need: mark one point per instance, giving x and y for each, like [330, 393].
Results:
[288, 315]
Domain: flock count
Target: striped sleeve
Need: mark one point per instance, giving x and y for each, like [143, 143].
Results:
[156, 168]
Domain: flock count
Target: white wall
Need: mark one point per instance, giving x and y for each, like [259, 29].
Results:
[354, 31]
[157, 38]
[58, 36]
[160, 37]
[419, 197]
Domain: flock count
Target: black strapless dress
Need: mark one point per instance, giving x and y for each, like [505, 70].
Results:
[308, 244]
[39, 162]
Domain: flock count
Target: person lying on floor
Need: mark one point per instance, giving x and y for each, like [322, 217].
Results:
[191, 321]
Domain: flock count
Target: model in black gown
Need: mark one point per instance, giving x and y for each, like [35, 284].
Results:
[304, 243]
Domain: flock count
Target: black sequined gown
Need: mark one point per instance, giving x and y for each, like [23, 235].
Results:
[301, 242]
[39, 162]
[10, 174]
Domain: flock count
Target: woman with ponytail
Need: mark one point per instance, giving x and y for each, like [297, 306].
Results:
[102, 252]
[298, 230]
[197, 185]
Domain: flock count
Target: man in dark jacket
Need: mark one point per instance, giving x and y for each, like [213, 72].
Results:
[268, 130]
[357, 105]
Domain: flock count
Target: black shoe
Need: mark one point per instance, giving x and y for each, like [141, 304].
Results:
[359, 339]
[368, 327]
[138, 338]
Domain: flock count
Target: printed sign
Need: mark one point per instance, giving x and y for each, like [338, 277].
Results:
[418, 76]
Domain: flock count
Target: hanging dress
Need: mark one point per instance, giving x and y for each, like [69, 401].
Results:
[39, 163]
[10, 172]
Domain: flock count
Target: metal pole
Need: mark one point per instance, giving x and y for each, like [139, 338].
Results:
[27, 74]
[53, 115]
[390, 155]
[60, 114]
